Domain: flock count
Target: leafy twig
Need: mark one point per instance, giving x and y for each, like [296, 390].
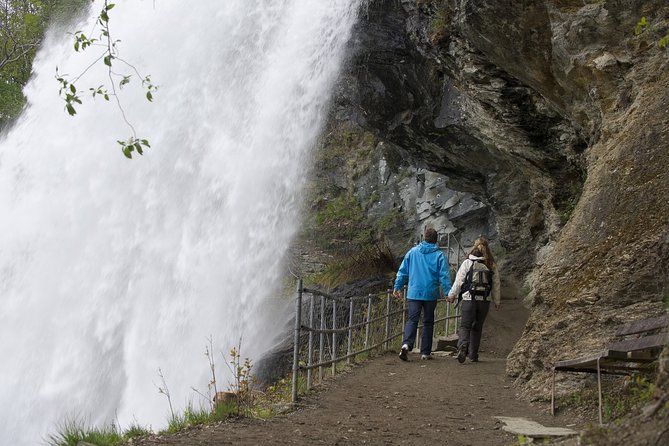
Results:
[109, 57]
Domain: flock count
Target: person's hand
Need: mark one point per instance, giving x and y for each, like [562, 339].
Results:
[497, 306]
[450, 300]
[397, 293]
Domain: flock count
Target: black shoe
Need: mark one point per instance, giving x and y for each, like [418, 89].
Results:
[462, 354]
[473, 359]
[403, 353]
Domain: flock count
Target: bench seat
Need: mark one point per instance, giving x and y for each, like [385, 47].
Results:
[621, 357]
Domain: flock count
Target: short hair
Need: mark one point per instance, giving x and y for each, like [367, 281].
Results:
[430, 235]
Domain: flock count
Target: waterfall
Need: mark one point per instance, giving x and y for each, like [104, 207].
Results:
[110, 268]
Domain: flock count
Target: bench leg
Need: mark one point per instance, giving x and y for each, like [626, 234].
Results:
[553, 395]
[599, 389]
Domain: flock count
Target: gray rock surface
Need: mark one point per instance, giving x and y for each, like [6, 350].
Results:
[546, 123]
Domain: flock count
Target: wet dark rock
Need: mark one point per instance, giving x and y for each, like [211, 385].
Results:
[544, 122]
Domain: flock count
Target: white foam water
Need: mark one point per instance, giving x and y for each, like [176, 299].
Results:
[111, 269]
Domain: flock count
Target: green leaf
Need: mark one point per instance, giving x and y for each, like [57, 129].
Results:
[640, 26]
[73, 89]
[110, 6]
[145, 142]
[107, 60]
[664, 41]
[127, 151]
[76, 46]
[70, 109]
[149, 96]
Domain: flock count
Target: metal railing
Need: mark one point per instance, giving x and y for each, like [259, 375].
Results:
[454, 251]
[336, 329]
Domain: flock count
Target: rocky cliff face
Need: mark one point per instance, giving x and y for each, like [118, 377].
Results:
[546, 120]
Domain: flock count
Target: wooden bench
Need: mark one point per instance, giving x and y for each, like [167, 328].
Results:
[624, 356]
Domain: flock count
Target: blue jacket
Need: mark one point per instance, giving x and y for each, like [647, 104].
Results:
[424, 267]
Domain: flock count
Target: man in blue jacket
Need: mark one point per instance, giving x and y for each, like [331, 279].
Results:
[424, 267]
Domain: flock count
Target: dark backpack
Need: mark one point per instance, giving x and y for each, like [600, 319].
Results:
[478, 280]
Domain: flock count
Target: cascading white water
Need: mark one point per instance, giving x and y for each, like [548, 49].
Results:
[111, 269]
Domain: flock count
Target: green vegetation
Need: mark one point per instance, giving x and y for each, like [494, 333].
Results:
[70, 433]
[619, 397]
[110, 58]
[643, 26]
[246, 402]
[345, 221]
[637, 391]
[347, 190]
[388, 220]
[439, 15]
[595, 434]
[22, 27]
[522, 440]
[366, 262]
[568, 195]
[192, 416]
[439, 24]
[342, 219]
[243, 382]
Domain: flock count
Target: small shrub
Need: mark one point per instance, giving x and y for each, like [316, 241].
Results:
[189, 418]
[176, 423]
[637, 391]
[73, 431]
[136, 431]
[366, 262]
[224, 410]
[242, 386]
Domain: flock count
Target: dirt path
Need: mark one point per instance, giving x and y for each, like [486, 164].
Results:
[387, 401]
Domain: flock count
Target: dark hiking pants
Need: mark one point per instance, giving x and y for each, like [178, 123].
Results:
[415, 307]
[474, 313]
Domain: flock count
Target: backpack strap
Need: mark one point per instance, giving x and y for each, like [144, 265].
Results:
[468, 281]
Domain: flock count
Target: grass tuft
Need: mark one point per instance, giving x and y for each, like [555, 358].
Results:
[71, 432]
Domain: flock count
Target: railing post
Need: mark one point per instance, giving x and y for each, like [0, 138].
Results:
[448, 316]
[404, 311]
[311, 341]
[321, 337]
[296, 341]
[448, 249]
[334, 337]
[369, 318]
[350, 332]
[418, 332]
[458, 318]
[387, 343]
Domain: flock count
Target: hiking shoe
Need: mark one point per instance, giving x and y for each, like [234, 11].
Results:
[473, 359]
[462, 354]
[404, 353]
[425, 357]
